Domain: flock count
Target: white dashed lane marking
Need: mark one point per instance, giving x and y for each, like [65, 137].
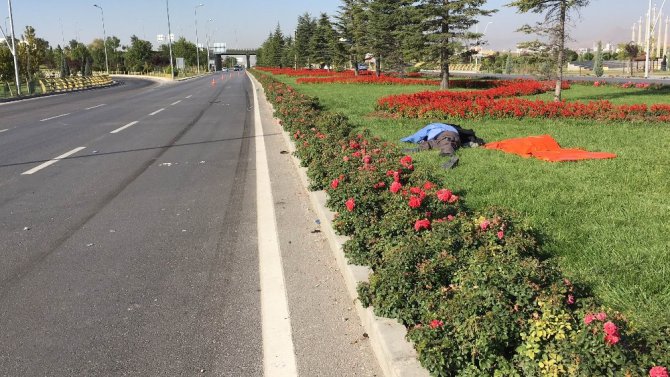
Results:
[51, 162]
[124, 127]
[57, 116]
[95, 107]
[157, 111]
[174, 103]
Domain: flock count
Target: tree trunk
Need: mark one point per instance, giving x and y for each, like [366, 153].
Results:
[378, 65]
[561, 52]
[444, 54]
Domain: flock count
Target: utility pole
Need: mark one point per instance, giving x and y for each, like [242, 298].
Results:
[647, 48]
[167, 8]
[104, 35]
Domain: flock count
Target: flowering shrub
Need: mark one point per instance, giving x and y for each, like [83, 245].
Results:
[496, 103]
[475, 290]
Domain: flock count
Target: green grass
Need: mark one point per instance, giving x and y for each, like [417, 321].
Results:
[606, 221]
[611, 93]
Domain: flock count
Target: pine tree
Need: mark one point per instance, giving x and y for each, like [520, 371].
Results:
[508, 65]
[557, 15]
[446, 24]
[303, 35]
[322, 44]
[598, 61]
[351, 27]
[387, 19]
[87, 67]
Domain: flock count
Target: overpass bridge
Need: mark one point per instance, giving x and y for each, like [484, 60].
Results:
[247, 53]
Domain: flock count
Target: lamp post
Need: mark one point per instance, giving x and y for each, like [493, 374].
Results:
[197, 45]
[208, 21]
[167, 9]
[104, 36]
[16, 62]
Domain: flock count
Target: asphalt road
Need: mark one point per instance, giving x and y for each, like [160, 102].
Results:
[128, 238]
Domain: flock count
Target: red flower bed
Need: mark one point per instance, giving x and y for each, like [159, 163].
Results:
[496, 103]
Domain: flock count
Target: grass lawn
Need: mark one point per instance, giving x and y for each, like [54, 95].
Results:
[607, 221]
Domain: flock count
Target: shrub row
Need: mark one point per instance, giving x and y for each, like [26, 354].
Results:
[495, 103]
[474, 289]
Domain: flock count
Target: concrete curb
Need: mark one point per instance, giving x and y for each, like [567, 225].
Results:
[396, 356]
[52, 94]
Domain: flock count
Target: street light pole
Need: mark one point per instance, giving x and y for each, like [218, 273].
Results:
[167, 8]
[197, 46]
[16, 62]
[104, 36]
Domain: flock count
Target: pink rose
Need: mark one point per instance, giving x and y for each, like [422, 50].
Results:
[501, 234]
[612, 339]
[601, 316]
[453, 199]
[570, 300]
[335, 183]
[610, 328]
[589, 318]
[485, 224]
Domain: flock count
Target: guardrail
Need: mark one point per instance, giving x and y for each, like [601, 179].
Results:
[67, 84]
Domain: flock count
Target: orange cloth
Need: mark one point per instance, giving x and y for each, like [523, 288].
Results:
[544, 147]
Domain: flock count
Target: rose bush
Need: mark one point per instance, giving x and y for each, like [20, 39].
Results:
[475, 290]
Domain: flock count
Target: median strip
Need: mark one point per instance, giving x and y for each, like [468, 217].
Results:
[57, 116]
[51, 162]
[156, 112]
[124, 127]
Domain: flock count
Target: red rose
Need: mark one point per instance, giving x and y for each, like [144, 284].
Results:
[414, 202]
[406, 161]
[422, 224]
[395, 187]
[350, 204]
[658, 372]
[453, 199]
[444, 195]
[335, 183]
[367, 160]
[436, 323]
[485, 224]
[501, 234]
[612, 339]
[428, 185]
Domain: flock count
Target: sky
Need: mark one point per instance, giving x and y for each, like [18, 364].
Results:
[247, 23]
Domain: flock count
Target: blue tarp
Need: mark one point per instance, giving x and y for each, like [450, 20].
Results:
[429, 132]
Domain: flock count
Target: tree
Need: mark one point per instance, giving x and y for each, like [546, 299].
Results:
[386, 22]
[97, 50]
[556, 15]
[32, 52]
[598, 61]
[139, 54]
[323, 43]
[508, 64]
[588, 56]
[446, 24]
[351, 20]
[303, 35]
[6, 64]
[630, 50]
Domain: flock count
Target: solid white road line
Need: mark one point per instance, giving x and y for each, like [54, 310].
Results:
[95, 107]
[124, 127]
[157, 111]
[174, 103]
[5, 130]
[51, 162]
[278, 352]
[189, 96]
[57, 116]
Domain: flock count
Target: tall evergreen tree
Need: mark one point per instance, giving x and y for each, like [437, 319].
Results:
[446, 24]
[323, 42]
[303, 35]
[351, 21]
[386, 22]
[598, 61]
[557, 13]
